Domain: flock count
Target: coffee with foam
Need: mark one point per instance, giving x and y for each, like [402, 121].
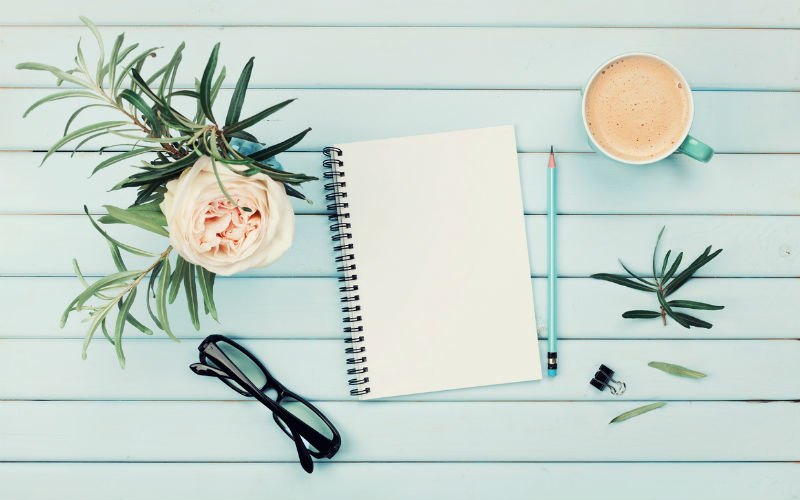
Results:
[638, 108]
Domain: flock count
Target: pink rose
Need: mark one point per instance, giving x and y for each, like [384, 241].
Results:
[208, 230]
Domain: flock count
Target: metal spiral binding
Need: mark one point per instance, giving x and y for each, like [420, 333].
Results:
[337, 195]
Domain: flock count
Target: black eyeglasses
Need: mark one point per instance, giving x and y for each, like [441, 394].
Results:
[313, 434]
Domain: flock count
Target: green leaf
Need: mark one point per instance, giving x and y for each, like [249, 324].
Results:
[131, 64]
[237, 100]
[127, 248]
[151, 286]
[664, 265]
[104, 328]
[97, 318]
[176, 279]
[655, 251]
[161, 299]
[149, 115]
[83, 281]
[678, 370]
[206, 281]
[81, 132]
[158, 175]
[636, 412]
[692, 321]
[670, 312]
[136, 219]
[217, 85]
[116, 256]
[673, 268]
[247, 136]
[123, 156]
[138, 324]
[279, 148]
[691, 304]
[222, 187]
[61, 75]
[58, 96]
[120, 325]
[102, 50]
[79, 111]
[205, 83]
[641, 314]
[687, 273]
[622, 280]
[249, 122]
[98, 286]
[114, 58]
[650, 283]
[191, 295]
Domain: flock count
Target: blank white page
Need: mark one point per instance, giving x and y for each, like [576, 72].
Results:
[444, 280]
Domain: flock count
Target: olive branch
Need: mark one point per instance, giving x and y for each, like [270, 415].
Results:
[665, 283]
[150, 125]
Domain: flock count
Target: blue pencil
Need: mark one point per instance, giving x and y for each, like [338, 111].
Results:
[552, 273]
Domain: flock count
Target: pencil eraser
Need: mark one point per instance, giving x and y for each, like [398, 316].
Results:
[551, 373]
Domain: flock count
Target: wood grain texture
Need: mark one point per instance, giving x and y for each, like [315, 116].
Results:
[757, 246]
[402, 431]
[399, 481]
[387, 57]
[731, 122]
[309, 308]
[717, 13]
[589, 184]
[158, 369]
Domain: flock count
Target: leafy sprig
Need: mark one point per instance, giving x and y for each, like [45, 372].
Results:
[666, 280]
[149, 124]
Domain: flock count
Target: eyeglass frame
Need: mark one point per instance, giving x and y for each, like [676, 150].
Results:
[292, 426]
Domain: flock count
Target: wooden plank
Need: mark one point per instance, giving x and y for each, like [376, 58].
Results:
[542, 118]
[309, 308]
[158, 369]
[457, 57]
[399, 481]
[716, 13]
[757, 246]
[589, 184]
[402, 431]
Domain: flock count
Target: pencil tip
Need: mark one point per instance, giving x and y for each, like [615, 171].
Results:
[551, 149]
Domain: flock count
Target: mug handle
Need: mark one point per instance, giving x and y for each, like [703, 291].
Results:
[698, 150]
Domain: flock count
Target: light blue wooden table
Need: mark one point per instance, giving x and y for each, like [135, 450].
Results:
[87, 430]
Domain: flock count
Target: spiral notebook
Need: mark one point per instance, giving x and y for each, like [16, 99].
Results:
[429, 235]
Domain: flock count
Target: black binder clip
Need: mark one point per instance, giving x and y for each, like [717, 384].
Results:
[604, 378]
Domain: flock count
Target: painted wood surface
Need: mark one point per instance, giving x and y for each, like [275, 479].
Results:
[400, 481]
[85, 429]
[718, 13]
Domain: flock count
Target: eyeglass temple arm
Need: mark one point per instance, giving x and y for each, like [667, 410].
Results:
[208, 371]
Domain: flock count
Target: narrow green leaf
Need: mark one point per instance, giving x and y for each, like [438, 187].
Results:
[691, 304]
[205, 83]
[622, 280]
[664, 265]
[60, 74]
[692, 321]
[673, 268]
[120, 326]
[185, 93]
[83, 281]
[104, 328]
[161, 299]
[122, 156]
[79, 111]
[249, 122]
[127, 248]
[98, 286]
[138, 324]
[130, 66]
[279, 148]
[116, 256]
[101, 48]
[641, 314]
[81, 132]
[151, 287]
[136, 219]
[636, 412]
[205, 279]
[217, 85]
[670, 312]
[678, 370]
[191, 295]
[247, 136]
[58, 96]
[114, 59]
[176, 279]
[97, 318]
[222, 187]
[655, 251]
[237, 100]
[149, 115]
[687, 273]
[635, 276]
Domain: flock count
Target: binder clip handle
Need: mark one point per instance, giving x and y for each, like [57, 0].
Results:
[604, 378]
